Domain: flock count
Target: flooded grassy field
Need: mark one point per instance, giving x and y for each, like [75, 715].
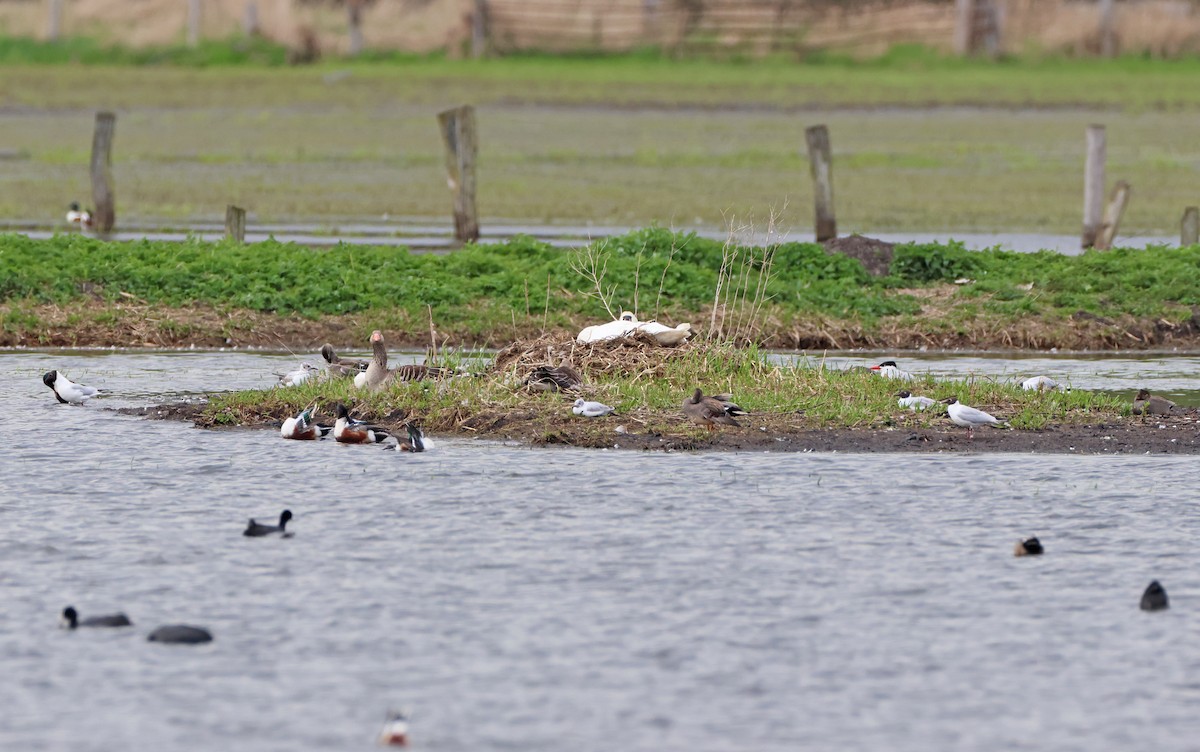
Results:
[329, 147]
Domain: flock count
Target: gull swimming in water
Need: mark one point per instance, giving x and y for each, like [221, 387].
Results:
[591, 409]
[913, 403]
[969, 417]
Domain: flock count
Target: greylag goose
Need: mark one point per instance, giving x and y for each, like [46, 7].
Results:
[336, 366]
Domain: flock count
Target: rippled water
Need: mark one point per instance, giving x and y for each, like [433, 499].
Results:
[570, 599]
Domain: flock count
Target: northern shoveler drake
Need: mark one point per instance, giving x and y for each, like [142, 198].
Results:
[337, 367]
[591, 409]
[77, 216]
[302, 428]
[347, 430]
[297, 377]
[416, 441]
[255, 530]
[1144, 404]
[889, 370]
[67, 391]
[560, 378]
[180, 634]
[709, 411]
[1029, 547]
[71, 620]
[395, 729]
[968, 417]
[913, 403]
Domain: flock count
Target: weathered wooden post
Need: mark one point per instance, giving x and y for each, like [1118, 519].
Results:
[193, 23]
[479, 29]
[1093, 184]
[1108, 36]
[820, 163]
[103, 192]
[354, 19]
[235, 223]
[250, 25]
[458, 132]
[964, 26]
[1112, 215]
[1189, 227]
[54, 22]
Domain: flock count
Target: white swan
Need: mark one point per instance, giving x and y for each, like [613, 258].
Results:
[628, 324]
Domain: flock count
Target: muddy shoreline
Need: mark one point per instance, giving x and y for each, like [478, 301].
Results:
[1176, 434]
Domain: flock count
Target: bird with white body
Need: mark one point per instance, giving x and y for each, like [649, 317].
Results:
[67, 391]
[889, 370]
[1040, 384]
[914, 403]
[589, 409]
[969, 417]
[297, 377]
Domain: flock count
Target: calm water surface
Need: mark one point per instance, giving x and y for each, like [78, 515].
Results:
[574, 600]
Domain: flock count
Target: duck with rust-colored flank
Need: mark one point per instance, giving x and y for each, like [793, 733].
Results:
[348, 430]
[256, 530]
[712, 410]
[416, 441]
[395, 729]
[302, 428]
[337, 367]
[1028, 547]
[1145, 404]
[71, 620]
[78, 216]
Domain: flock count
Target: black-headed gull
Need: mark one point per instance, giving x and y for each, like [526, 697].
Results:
[67, 391]
[255, 530]
[347, 430]
[969, 417]
[591, 409]
[889, 370]
[1028, 547]
[1039, 384]
[913, 403]
[297, 377]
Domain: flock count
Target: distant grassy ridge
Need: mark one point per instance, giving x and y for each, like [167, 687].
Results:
[905, 76]
[524, 287]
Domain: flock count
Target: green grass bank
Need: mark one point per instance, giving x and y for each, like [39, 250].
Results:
[76, 290]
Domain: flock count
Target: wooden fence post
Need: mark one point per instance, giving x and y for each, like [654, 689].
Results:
[1189, 227]
[1093, 184]
[479, 30]
[193, 23]
[458, 132]
[103, 192]
[1112, 215]
[235, 223]
[250, 25]
[354, 18]
[820, 162]
[1108, 36]
[54, 22]
[964, 26]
